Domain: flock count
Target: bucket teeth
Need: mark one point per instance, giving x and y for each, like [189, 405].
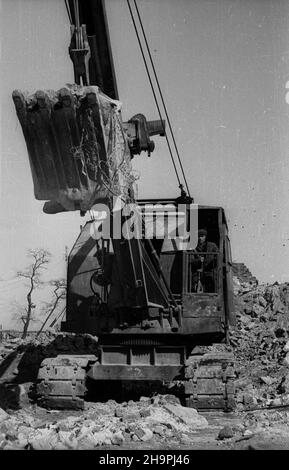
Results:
[78, 150]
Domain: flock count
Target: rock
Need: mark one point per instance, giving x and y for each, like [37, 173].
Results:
[119, 412]
[86, 440]
[7, 445]
[131, 416]
[168, 433]
[130, 428]
[164, 399]
[239, 398]
[60, 446]
[145, 399]
[68, 423]
[286, 359]
[43, 439]
[111, 403]
[143, 434]
[286, 347]
[236, 285]
[145, 412]
[267, 380]
[280, 332]
[225, 433]
[103, 437]
[25, 390]
[3, 415]
[13, 395]
[15, 340]
[27, 419]
[148, 435]
[185, 439]
[240, 428]
[284, 385]
[117, 438]
[171, 399]
[276, 402]
[68, 440]
[9, 347]
[248, 399]
[127, 413]
[159, 430]
[11, 436]
[262, 301]
[10, 426]
[24, 430]
[126, 436]
[242, 382]
[246, 288]
[2, 439]
[22, 440]
[189, 416]
[257, 310]
[278, 307]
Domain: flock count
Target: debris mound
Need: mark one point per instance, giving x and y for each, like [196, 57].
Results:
[260, 341]
[101, 424]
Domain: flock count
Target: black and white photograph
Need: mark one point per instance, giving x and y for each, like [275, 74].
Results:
[144, 228]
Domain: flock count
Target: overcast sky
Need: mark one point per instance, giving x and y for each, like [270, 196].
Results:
[223, 66]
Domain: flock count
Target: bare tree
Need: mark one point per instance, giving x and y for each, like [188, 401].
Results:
[39, 260]
[59, 294]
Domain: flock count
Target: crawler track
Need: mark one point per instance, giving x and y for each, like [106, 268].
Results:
[62, 381]
[209, 383]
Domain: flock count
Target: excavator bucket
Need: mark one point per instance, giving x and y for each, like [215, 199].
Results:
[78, 151]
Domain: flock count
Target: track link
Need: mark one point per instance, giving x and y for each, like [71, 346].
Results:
[62, 381]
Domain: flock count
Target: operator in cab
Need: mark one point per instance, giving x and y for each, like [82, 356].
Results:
[203, 264]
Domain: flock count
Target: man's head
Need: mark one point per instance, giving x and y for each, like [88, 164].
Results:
[202, 235]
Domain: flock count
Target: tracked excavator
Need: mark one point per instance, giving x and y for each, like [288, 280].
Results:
[134, 278]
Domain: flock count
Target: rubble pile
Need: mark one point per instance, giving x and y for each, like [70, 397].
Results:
[10, 341]
[260, 342]
[101, 424]
[35, 350]
[243, 274]
[7, 347]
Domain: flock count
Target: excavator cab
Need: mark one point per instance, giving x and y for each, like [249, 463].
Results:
[159, 340]
[95, 282]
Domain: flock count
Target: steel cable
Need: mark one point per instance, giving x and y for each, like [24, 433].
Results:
[161, 95]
